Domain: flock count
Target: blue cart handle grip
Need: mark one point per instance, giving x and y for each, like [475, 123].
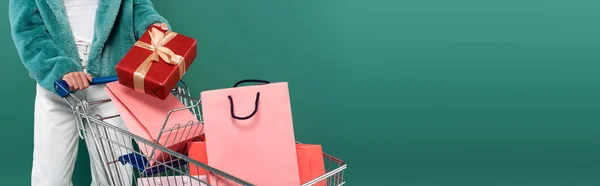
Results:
[62, 88]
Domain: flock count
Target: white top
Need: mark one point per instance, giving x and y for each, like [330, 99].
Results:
[82, 16]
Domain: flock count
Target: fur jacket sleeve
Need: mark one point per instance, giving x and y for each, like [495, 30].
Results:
[144, 16]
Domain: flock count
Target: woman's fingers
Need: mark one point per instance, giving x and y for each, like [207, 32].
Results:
[79, 84]
[69, 81]
[83, 80]
[163, 26]
[78, 80]
[74, 81]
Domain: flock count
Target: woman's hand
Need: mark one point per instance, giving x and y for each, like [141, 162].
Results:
[77, 80]
[163, 26]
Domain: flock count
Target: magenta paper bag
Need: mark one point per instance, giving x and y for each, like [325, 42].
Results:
[250, 135]
[145, 115]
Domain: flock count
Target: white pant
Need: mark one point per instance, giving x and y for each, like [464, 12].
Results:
[56, 140]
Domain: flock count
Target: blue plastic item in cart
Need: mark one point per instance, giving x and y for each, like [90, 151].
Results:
[141, 163]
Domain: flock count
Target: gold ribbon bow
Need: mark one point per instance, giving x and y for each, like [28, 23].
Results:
[157, 46]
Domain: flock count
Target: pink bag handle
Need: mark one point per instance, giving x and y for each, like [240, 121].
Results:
[255, 102]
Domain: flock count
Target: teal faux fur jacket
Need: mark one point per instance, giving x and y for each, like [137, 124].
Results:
[43, 38]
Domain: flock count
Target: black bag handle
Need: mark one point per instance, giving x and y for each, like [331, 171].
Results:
[255, 102]
[251, 81]
[247, 117]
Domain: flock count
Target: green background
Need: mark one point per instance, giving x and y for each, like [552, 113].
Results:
[407, 92]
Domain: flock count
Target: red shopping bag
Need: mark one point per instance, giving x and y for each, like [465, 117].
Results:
[197, 151]
[250, 135]
[310, 163]
[145, 115]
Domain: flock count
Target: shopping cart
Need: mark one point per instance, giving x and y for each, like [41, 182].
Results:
[117, 160]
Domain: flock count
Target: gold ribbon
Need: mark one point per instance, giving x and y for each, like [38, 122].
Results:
[157, 46]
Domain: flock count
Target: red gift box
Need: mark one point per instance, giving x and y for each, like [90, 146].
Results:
[156, 62]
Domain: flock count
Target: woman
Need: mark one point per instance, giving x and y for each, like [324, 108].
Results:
[74, 40]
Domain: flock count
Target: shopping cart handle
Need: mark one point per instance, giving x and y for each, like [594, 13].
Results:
[62, 88]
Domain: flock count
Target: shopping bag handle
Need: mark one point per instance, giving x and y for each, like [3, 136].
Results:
[249, 116]
[255, 102]
[251, 81]
[62, 88]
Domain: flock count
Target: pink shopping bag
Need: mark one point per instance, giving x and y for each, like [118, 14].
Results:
[250, 134]
[145, 115]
